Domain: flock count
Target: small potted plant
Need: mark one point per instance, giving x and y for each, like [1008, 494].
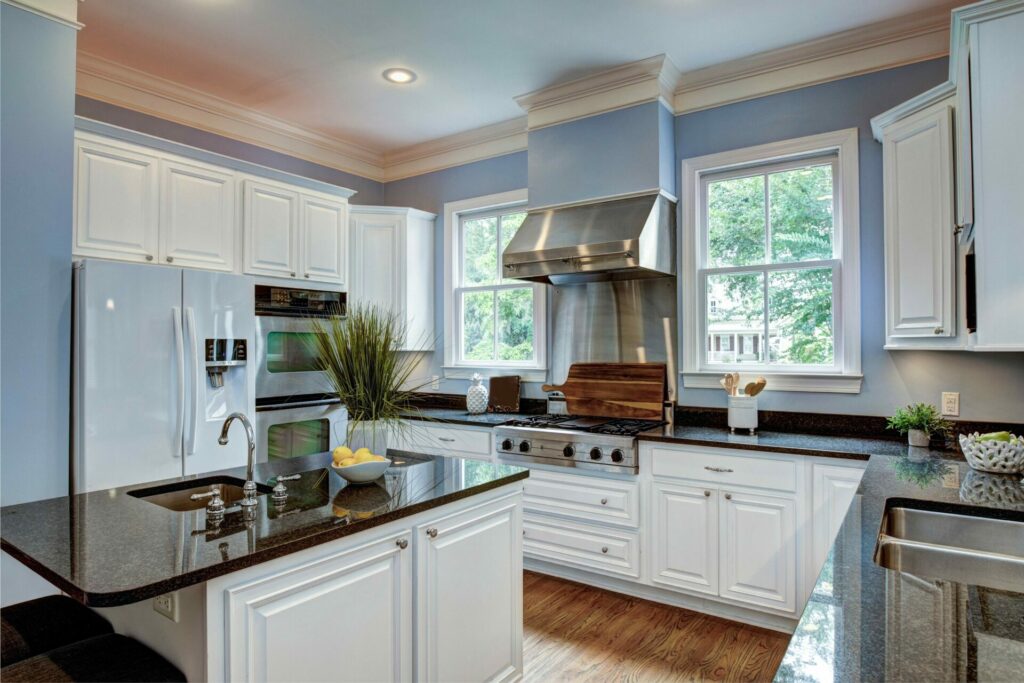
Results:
[918, 422]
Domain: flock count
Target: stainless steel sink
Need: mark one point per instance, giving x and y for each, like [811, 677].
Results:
[963, 548]
[177, 496]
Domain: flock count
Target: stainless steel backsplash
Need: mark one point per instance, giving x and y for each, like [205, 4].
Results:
[628, 321]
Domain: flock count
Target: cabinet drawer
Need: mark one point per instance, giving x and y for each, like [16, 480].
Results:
[580, 545]
[724, 468]
[445, 438]
[589, 499]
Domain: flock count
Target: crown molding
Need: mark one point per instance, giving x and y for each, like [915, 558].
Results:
[883, 45]
[645, 80]
[915, 104]
[455, 150]
[964, 17]
[64, 12]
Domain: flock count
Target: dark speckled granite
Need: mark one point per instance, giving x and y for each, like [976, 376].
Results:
[109, 548]
[461, 417]
[780, 442]
[868, 623]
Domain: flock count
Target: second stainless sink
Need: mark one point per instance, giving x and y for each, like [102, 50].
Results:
[967, 549]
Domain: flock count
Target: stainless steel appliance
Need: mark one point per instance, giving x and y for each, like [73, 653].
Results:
[291, 430]
[605, 444]
[286, 368]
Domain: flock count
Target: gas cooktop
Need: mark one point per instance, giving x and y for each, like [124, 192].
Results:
[601, 443]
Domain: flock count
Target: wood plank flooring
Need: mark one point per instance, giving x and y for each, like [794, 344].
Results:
[578, 633]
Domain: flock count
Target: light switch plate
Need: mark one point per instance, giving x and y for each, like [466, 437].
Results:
[951, 403]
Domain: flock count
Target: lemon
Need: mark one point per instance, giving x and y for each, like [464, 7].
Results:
[362, 451]
[364, 457]
[340, 453]
[346, 462]
[379, 458]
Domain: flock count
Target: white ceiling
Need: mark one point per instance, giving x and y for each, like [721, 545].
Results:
[317, 63]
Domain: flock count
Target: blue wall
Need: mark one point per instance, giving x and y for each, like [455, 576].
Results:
[989, 383]
[367, 191]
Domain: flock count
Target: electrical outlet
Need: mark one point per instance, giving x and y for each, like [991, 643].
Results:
[951, 403]
[435, 382]
[167, 605]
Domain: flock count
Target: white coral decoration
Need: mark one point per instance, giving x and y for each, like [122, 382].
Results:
[1005, 457]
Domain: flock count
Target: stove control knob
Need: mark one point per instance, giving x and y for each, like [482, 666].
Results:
[506, 445]
[524, 446]
[617, 455]
[595, 453]
[568, 451]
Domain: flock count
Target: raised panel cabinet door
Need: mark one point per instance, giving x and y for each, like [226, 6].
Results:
[919, 238]
[684, 537]
[271, 216]
[833, 490]
[376, 261]
[197, 216]
[324, 235]
[343, 617]
[116, 195]
[758, 555]
[469, 604]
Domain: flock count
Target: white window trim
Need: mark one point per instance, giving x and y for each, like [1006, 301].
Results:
[843, 143]
[453, 211]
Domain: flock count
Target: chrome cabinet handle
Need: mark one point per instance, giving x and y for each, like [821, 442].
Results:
[402, 544]
[938, 330]
[707, 494]
[149, 257]
[728, 496]
[446, 439]
[170, 259]
[604, 550]
[293, 274]
[604, 501]
[709, 468]
[432, 532]
[307, 276]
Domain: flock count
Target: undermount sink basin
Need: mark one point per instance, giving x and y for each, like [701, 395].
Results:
[982, 551]
[177, 496]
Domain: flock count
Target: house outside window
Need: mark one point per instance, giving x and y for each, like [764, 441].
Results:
[771, 264]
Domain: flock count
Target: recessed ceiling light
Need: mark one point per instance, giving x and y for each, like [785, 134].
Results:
[399, 75]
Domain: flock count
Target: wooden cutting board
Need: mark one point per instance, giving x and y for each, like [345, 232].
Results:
[614, 389]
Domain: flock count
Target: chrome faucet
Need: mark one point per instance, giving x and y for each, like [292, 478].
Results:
[249, 489]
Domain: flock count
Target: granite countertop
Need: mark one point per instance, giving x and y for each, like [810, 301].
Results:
[866, 622]
[854, 447]
[459, 416]
[109, 548]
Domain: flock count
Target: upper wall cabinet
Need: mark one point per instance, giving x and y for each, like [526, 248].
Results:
[116, 200]
[294, 233]
[392, 267]
[135, 203]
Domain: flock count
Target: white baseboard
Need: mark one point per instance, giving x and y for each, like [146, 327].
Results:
[666, 597]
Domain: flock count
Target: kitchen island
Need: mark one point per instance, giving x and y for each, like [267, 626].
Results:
[340, 582]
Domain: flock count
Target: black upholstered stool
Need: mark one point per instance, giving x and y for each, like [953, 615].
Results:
[111, 657]
[37, 626]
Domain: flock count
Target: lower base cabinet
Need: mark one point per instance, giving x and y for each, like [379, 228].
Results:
[684, 543]
[436, 597]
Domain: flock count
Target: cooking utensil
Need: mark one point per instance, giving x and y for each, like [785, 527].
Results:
[756, 387]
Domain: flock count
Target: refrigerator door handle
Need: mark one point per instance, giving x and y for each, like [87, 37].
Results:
[190, 317]
[179, 347]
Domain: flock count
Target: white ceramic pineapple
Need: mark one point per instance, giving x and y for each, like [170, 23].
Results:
[476, 397]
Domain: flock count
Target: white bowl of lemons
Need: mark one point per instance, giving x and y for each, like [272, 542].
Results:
[358, 467]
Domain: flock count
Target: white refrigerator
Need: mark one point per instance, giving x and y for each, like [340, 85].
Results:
[144, 404]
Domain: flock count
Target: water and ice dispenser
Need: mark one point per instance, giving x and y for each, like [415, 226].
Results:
[221, 356]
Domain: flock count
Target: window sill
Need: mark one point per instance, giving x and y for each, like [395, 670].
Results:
[821, 383]
[467, 372]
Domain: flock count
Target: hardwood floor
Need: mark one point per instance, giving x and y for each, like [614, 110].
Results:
[578, 633]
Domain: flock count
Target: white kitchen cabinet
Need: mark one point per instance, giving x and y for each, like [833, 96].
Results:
[445, 439]
[469, 595]
[684, 537]
[591, 547]
[197, 215]
[584, 498]
[920, 242]
[324, 239]
[758, 557]
[392, 267]
[833, 489]
[343, 616]
[116, 200]
[271, 229]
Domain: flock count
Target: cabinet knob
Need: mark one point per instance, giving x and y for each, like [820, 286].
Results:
[149, 257]
[170, 259]
[938, 330]
[307, 276]
[293, 274]
[432, 532]
[604, 501]
[707, 494]
[604, 550]
[728, 496]
[402, 544]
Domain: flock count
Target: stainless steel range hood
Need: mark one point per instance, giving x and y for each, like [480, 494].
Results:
[618, 239]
